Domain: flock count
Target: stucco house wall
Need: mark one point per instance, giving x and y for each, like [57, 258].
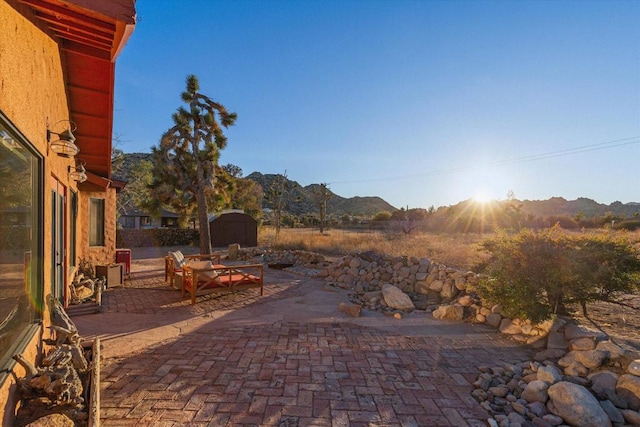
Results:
[32, 93]
[35, 89]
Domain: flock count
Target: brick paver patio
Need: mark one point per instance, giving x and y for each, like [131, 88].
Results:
[290, 373]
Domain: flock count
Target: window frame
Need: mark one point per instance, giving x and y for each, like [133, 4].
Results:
[31, 258]
[96, 222]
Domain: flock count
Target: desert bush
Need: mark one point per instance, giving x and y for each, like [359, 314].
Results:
[536, 274]
[137, 238]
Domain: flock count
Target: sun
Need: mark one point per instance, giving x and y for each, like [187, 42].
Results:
[482, 197]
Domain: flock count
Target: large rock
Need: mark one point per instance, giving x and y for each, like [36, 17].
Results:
[395, 298]
[591, 359]
[576, 405]
[615, 351]
[549, 374]
[631, 417]
[573, 331]
[628, 388]
[352, 310]
[449, 312]
[557, 340]
[582, 344]
[507, 326]
[603, 384]
[494, 320]
[612, 412]
[536, 391]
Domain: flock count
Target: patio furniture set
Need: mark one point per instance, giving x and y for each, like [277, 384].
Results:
[203, 274]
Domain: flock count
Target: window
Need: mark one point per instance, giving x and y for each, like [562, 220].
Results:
[129, 222]
[145, 221]
[96, 222]
[169, 222]
[21, 242]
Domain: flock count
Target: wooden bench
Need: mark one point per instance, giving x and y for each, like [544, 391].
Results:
[173, 264]
[221, 278]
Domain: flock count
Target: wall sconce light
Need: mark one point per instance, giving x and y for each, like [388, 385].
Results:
[64, 146]
[79, 173]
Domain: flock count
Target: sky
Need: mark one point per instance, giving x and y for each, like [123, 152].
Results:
[422, 103]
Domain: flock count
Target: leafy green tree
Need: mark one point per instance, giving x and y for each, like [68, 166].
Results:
[382, 216]
[185, 160]
[535, 275]
[246, 194]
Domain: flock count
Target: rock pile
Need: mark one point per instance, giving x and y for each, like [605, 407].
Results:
[426, 284]
[542, 394]
[578, 377]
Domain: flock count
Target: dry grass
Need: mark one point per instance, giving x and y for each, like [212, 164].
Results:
[452, 250]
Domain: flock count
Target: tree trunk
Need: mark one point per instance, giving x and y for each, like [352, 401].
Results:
[203, 220]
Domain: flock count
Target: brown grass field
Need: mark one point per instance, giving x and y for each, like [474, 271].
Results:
[462, 251]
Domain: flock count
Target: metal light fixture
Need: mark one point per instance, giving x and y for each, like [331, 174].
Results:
[79, 173]
[65, 145]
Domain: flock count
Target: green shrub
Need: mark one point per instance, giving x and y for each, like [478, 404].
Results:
[536, 274]
[152, 237]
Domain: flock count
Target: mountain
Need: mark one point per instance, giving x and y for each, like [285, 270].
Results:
[300, 200]
[556, 206]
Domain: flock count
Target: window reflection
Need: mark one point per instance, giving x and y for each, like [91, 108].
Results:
[20, 289]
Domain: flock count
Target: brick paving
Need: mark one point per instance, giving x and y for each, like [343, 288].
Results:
[288, 373]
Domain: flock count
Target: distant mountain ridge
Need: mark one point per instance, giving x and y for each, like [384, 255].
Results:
[581, 206]
[301, 198]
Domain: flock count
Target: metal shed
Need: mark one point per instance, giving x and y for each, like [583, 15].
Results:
[234, 227]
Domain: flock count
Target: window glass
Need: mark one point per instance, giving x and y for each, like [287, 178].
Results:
[129, 222]
[96, 222]
[21, 242]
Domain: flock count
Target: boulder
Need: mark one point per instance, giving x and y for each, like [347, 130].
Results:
[612, 412]
[557, 340]
[352, 310]
[632, 417]
[449, 312]
[549, 354]
[576, 405]
[582, 344]
[628, 388]
[603, 384]
[634, 368]
[507, 326]
[494, 319]
[549, 374]
[591, 359]
[232, 251]
[536, 391]
[573, 331]
[448, 290]
[615, 351]
[395, 298]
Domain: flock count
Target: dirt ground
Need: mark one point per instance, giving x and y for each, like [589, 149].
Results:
[621, 323]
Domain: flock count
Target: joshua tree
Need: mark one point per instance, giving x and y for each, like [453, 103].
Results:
[187, 157]
[321, 195]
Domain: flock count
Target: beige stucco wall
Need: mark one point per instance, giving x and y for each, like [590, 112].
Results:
[98, 255]
[33, 96]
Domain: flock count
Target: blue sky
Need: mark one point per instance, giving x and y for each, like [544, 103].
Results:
[419, 102]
